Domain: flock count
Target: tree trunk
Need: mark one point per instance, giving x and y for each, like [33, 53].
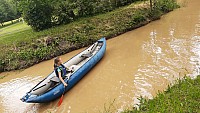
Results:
[151, 6]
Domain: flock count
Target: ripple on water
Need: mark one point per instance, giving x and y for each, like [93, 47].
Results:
[167, 61]
[13, 90]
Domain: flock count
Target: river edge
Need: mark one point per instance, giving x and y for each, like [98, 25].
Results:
[183, 96]
[23, 55]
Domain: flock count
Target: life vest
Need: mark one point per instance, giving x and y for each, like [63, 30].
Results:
[63, 71]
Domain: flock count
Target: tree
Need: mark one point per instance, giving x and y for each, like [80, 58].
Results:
[62, 12]
[43, 14]
[3, 11]
[151, 6]
[85, 7]
[37, 13]
[8, 11]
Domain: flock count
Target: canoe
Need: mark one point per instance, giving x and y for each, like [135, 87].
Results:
[51, 88]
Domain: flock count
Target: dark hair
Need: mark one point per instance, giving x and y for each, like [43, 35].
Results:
[56, 60]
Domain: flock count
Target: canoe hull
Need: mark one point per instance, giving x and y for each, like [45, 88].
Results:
[75, 77]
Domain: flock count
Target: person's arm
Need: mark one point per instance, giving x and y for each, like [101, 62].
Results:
[61, 79]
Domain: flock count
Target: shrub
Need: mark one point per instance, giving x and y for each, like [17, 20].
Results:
[165, 5]
[62, 13]
[139, 16]
[37, 14]
[154, 14]
[43, 14]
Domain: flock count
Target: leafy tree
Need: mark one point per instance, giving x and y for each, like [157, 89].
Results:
[8, 11]
[3, 11]
[37, 13]
[2, 15]
[62, 13]
[42, 14]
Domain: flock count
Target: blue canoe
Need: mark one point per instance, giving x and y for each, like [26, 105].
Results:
[51, 87]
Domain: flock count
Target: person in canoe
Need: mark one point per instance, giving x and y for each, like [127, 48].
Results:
[60, 70]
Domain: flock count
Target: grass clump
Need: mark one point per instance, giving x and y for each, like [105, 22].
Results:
[183, 97]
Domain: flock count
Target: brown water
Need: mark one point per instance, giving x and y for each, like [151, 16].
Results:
[139, 62]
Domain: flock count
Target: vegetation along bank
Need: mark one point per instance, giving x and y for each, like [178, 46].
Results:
[182, 97]
[28, 47]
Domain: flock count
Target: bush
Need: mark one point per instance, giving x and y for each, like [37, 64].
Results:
[154, 14]
[139, 16]
[165, 5]
[43, 14]
[62, 13]
[183, 97]
[37, 14]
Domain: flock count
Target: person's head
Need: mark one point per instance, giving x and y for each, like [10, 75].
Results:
[57, 61]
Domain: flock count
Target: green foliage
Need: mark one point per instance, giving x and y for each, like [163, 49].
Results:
[43, 14]
[139, 16]
[2, 64]
[37, 14]
[165, 5]
[92, 7]
[23, 49]
[85, 7]
[8, 11]
[160, 7]
[62, 12]
[183, 97]
[155, 14]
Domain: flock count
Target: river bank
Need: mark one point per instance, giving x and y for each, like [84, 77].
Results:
[24, 49]
[183, 97]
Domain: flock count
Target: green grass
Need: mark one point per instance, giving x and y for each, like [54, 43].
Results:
[5, 24]
[13, 29]
[183, 97]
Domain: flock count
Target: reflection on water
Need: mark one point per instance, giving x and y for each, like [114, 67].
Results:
[168, 59]
[195, 59]
[13, 90]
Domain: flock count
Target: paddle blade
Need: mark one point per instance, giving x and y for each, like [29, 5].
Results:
[60, 101]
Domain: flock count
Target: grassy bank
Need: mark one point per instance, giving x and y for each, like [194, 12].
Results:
[13, 29]
[25, 48]
[183, 97]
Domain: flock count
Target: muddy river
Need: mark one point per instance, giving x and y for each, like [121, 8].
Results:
[137, 63]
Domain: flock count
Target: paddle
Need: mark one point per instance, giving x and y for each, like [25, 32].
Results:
[61, 98]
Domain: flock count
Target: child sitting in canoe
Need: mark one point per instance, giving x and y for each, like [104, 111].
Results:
[60, 70]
